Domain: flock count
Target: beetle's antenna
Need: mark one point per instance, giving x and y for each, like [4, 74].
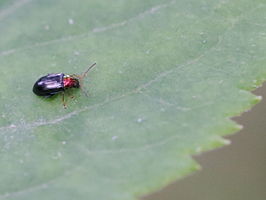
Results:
[86, 72]
[82, 76]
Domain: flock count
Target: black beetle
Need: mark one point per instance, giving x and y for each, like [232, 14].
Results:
[52, 84]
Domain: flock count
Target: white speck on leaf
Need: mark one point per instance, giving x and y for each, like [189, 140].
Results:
[221, 81]
[148, 51]
[63, 142]
[47, 27]
[76, 53]
[71, 21]
[140, 120]
[114, 137]
[12, 126]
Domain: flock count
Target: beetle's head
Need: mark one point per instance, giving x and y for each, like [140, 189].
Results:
[75, 83]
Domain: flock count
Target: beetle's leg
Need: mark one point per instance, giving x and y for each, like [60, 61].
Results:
[63, 100]
[68, 94]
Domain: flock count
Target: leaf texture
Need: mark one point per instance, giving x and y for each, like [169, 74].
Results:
[169, 75]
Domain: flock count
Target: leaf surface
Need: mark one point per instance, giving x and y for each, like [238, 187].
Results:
[169, 76]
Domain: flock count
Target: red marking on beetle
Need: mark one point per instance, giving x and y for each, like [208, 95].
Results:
[69, 82]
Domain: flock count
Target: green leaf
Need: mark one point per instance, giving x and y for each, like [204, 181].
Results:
[169, 76]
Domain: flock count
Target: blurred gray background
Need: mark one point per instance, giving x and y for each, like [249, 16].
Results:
[234, 172]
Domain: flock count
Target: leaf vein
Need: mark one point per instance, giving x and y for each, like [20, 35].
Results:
[10, 10]
[141, 15]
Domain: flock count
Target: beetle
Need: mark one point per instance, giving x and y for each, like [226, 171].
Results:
[51, 84]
